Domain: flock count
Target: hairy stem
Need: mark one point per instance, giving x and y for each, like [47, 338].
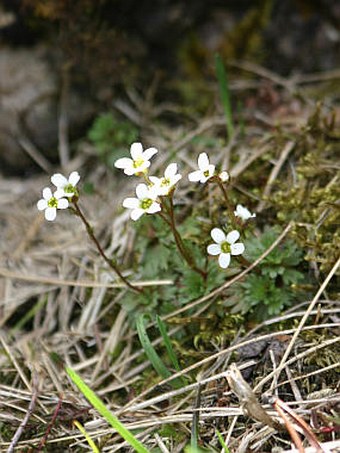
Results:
[178, 239]
[230, 207]
[110, 262]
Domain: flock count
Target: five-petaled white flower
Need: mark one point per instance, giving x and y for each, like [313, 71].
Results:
[140, 160]
[225, 246]
[66, 187]
[243, 212]
[206, 170]
[50, 203]
[224, 176]
[163, 185]
[144, 203]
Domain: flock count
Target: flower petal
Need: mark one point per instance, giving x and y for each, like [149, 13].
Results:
[224, 260]
[148, 153]
[59, 180]
[124, 162]
[155, 207]
[224, 176]
[155, 181]
[237, 249]
[233, 236]
[74, 178]
[211, 169]
[195, 176]
[218, 235]
[62, 203]
[50, 214]
[170, 170]
[142, 191]
[136, 150]
[129, 171]
[137, 213]
[203, 161]
[47, 193]
[131, 203]
[60, 193]
[214, 249]
[42, 204]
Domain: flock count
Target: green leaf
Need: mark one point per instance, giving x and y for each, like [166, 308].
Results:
[156, 260]
[291, 276]
[105, 412]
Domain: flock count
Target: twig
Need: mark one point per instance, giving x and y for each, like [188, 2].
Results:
[195, 419]
[76, 283]
[33, 152]
[50, 425]
[273, 175]
[15, 363]
[28, 414]
[290, 428]
[282, 408]
[307, 314]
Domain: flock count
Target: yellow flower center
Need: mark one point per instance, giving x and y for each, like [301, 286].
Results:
[138, 162]
[146, 203]
[69, 189]
[52, 202]
[165, 182]
[225, 247]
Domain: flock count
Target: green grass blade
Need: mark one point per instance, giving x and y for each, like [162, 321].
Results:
[151, 353]
[167, 343]
[105, 412]
[225, 94]
[223, 444]
[190, 449]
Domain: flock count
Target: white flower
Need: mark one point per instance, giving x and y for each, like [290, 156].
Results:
[243, 212]
[50, 203]
[163, 185]
[144, 203]
[66, 187]
[140, 160]
[206, 170]
[224, 176]
[225, 246]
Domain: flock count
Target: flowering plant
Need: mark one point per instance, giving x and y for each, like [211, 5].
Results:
[139, 161]
[155, 196]
[225, 246]
[51, 202]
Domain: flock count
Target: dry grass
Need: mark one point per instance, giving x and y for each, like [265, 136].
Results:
[56, 295]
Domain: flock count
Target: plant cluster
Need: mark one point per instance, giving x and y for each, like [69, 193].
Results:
[166, 248]
[274, 287]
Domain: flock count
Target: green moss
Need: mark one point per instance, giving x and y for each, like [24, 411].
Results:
[311, 199]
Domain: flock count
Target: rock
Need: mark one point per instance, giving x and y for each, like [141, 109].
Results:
[29, 105]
